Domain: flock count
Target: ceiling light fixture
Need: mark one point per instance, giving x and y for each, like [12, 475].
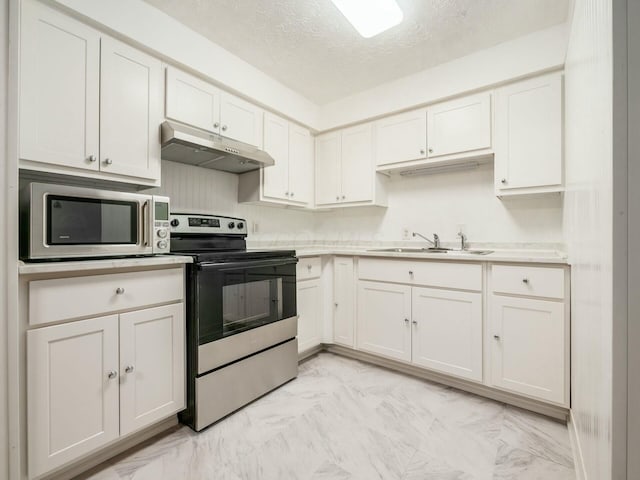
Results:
[370, 17]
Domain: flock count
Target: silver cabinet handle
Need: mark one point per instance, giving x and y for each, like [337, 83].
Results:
[497, 337]
[108, 161]
[224, 128]
[91, 158]
[343, 197]
[406, 320]
[286, 194]
[338, 197]
[119, 291]
[415, 322]
[309, 267]
[112, 374]
[422, 151]
[431, 150]
[216, 125]
[410, 272]
[336, 304]
[128, 368]
[503, 181]
[291, 194]
[525, 280]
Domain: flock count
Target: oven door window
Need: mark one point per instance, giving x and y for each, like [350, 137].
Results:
[234, 300]
[91, 221]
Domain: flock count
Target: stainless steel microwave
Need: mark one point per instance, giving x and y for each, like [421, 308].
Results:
[62, 222]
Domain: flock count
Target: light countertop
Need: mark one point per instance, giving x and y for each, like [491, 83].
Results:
[102, 264]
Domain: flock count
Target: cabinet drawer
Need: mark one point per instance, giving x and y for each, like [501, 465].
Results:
[530, 281]
[462, 276]
[309, 267]
[69, 298]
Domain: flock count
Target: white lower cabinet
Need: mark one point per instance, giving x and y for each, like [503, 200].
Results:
[343, 301]
[92, 381]
[309, 299]
[528, 347]
[384, 316]
[447, 331]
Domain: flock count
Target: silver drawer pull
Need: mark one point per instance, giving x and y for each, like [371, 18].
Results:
[406, 320]
[415, 322]
[497, 337]
[309, 267]
[112, 374]
[128, 368]
[119, 290]
[525, 280]
[410, 272]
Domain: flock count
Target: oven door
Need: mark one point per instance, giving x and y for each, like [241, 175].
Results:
[236, 297]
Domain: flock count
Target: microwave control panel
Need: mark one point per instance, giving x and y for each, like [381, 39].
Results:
[161, 227]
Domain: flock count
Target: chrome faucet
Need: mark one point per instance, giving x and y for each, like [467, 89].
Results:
[463, 241]
[435, 242]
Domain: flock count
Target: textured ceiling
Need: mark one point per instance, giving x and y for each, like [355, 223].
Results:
[310, 47]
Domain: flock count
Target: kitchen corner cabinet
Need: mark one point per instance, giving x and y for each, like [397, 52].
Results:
[93, 381]
[89, 105]
[344, 301]
[529, 145]
[194, 102]
[290, 180]
[345, 169]
[309, 303]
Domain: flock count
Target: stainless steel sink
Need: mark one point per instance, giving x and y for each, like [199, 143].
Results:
[472, 252]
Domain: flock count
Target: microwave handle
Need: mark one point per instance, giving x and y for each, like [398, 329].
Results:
[145, 224]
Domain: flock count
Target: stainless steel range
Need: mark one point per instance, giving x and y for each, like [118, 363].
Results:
[241, 317]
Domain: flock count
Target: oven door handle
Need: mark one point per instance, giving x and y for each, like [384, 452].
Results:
[249, 264]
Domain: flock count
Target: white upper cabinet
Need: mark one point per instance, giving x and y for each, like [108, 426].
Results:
[401, 138]
[89, 105]
[240, 120]
[528, 156]
[328, 168]
[290, 180]
[276, 144]
[192, 101]
[345, 168]
[59, 89]
[130, 111]
[300, 165]
[358, 168]
[459, 126]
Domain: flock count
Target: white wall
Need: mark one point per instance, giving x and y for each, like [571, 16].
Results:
[439, 203]
[195, 189]
[588, 228]
[536, 52]
[4, 424]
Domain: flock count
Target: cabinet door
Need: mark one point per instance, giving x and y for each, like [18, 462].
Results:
[384, 317]
[276, 144]
[130, 111]
[447, 331]
[309, 300]
[529, 133]
[328, 154]
[401, 138]
[192, 101]
[528, 347]
[344, 301]
[358, 167]
[152, 365]
[300, 165]
[240, 120]
[459, 126]
[59, 89]
[72, 403]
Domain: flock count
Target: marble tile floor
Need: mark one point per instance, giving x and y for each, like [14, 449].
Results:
[344, 419]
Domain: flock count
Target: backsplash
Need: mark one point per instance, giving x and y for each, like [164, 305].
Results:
[426, 204]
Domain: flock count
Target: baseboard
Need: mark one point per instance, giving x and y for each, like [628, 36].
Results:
[553, 411]
[119, 446]
[310, 352]
[578, 459]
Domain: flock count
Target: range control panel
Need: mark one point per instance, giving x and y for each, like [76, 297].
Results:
[207, 224]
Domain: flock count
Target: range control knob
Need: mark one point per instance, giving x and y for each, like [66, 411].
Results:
[162, 244]
[162, 233]
[175, 222]
[231, 225]
[240, 225]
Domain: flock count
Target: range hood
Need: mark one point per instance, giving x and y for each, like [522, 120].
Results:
[193, 146]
